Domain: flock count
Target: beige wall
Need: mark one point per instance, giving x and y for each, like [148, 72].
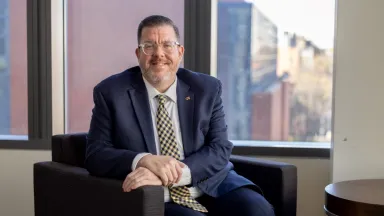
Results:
[313, 176]
[16, 181]
[358, 143]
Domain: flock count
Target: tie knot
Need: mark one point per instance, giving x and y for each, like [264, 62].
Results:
[162, 99]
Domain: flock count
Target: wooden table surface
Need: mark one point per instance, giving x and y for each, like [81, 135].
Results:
[355, 198]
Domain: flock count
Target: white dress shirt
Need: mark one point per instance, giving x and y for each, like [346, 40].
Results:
[171, 107]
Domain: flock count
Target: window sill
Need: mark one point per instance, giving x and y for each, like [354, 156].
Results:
[241, 147]
[282, 149]
[22, 142]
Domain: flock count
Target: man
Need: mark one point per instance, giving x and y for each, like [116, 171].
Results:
[158, 124]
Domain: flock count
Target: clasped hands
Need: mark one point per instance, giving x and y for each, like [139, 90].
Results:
[154, 170]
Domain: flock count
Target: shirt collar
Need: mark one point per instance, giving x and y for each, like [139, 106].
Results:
[170, 93]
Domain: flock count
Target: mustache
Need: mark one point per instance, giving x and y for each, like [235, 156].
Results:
[160, 61]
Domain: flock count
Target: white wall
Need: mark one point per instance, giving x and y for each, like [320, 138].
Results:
[16, 181]
[358, 144]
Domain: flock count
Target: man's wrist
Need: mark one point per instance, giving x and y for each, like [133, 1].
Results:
[141, 162]
[136, 161]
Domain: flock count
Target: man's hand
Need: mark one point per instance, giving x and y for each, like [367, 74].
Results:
[140, 177]
[167, 168]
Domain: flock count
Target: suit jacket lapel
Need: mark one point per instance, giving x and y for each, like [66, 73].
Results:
[185, 105]
[140, 102]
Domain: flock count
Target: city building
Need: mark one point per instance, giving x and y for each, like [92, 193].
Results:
[255, 97]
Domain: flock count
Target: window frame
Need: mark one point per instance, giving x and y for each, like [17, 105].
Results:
[39, 79]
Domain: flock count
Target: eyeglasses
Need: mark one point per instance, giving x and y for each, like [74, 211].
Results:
[167, 47]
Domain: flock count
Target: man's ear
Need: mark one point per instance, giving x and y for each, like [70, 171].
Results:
[181, 52]
[137, 51]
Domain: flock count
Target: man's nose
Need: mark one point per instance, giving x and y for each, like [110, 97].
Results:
[158, 51]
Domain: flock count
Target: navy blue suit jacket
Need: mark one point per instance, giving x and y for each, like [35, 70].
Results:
[121, 127]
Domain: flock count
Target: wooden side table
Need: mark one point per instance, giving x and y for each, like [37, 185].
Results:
[355, 198]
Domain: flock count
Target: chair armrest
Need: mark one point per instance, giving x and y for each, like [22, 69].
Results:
[62, 189]
[277, 180]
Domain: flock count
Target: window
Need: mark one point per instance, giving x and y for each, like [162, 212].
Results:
[25, 74]
[275, 60]
[13, 70]
[100, 41]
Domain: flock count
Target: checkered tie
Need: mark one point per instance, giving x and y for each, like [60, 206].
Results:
[181, 194]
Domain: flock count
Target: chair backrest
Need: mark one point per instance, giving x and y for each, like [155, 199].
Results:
[69, 148]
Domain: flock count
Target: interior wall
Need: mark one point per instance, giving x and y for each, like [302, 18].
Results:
[16, 181]
[313, 177]
[358, 141]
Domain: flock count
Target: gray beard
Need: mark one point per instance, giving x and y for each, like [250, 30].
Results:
[156, 79]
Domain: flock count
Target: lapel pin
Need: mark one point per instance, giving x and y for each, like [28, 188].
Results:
[188, 98]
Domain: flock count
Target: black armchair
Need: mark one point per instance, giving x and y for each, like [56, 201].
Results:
[63, 187]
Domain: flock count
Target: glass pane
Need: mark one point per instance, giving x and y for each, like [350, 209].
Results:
[13, 69]
[275, 60]
[101, 40]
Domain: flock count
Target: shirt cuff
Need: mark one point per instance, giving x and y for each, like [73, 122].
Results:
[185, 177]
[137, 159]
